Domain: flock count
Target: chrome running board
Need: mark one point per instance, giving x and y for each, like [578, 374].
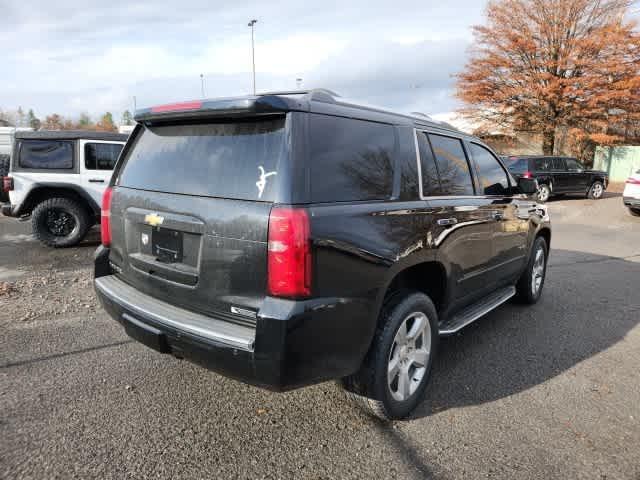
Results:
[474, 311]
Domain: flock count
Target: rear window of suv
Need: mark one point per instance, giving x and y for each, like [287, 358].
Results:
[46, 154]
[230, 160]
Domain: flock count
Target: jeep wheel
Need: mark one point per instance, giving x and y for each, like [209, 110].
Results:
[60, 222]
[544, 192]
[529, 287]
[394, 376]
[596, 191]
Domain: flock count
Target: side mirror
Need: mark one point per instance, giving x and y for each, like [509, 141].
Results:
[528, 186]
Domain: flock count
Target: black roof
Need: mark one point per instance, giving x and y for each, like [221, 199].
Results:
[316, 101]
[71, 135]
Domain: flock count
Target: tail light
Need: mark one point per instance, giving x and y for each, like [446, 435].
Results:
[289, 253]
[105, 217]
[630, 180]
[7, 184]
[527, 174]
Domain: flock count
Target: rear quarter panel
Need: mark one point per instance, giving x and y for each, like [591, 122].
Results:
[357, 250]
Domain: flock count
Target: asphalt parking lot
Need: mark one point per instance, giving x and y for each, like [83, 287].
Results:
[551, 391]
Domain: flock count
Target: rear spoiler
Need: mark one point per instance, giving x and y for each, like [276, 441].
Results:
[239, 106]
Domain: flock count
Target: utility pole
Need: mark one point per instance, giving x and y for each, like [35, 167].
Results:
[134, 104]
[202, 84]
[253, 54]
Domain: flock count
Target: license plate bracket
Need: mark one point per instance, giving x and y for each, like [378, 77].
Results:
[166, 245]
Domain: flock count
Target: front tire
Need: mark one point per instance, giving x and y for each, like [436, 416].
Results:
[529, 287]
[394, 376]
[596, 191]
[544, 193]
[634, 211]
[60, 222]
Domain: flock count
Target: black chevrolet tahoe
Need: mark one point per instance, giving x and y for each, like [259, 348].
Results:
[286, 239]
[559, 176]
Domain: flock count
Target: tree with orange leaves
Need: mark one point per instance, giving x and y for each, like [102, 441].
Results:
[541, 65]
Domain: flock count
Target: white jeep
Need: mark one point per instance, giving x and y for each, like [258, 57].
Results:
[57, 178]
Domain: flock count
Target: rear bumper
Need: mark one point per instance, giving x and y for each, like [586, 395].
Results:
[6, 209]
[210, 348]
[631, 202]
[294, 343]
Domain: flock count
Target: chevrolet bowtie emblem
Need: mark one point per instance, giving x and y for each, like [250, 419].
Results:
[153, 219]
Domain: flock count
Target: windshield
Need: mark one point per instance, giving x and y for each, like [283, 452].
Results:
[231, 160]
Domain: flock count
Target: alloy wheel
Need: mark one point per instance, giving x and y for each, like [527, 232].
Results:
[537, 272]
[59, 222]
[597, 190]
[409, 356]
[543, 193]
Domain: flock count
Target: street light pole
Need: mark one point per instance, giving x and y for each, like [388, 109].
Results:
[253, 54]
[202, 84]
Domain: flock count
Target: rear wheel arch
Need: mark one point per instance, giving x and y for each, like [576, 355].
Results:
[548, 181]
[41, 193]
[429, 277]
[546, 234]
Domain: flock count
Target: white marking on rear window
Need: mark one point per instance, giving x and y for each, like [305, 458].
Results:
[262, 181]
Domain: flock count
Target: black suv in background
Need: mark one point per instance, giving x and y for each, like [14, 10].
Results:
[288, 239]
[559, 176]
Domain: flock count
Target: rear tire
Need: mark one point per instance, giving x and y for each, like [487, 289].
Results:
[544, 193]
[60, 222]
[394, 375]
[634, 211]
[596, 191]
[529, 287]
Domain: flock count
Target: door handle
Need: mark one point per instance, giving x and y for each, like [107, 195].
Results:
[444, 222]
[96, 180]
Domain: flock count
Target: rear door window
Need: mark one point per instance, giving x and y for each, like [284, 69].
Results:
[101, 156]
[455, 176]
[493, 179]
[237, 160]
[46, 154]
[350, 159]
[558, 164]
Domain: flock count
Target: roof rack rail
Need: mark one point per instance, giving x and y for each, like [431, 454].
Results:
[284, 92]
[420, 114]
[320, 94]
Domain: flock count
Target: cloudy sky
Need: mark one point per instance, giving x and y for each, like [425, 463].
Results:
[70, 56]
